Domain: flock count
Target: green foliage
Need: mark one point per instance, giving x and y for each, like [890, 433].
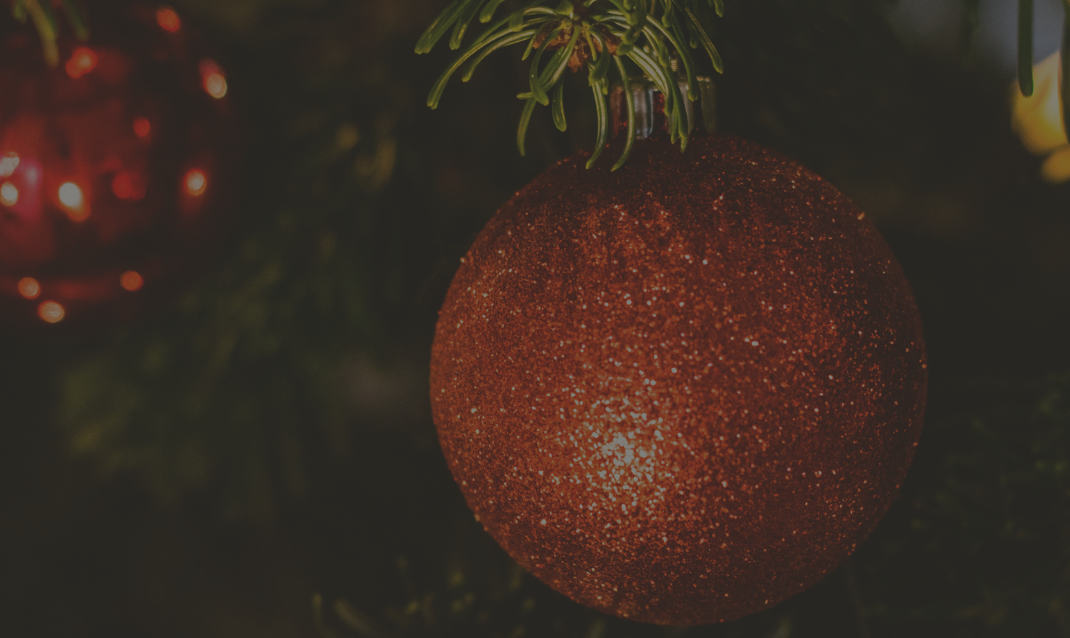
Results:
[1025, 47]
[44, 20]
[235, 390]
[982, 536]
[221, 393]
[653, 34]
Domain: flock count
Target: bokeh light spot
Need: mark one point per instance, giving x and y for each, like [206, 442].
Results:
[70, 195]
[1056, 169]
[9, 194]
[8, 164]
[82, 61]
[1038, 119]
[216, 85]
[128, 186]
[215, 82]
[131, 281]
[196, 182]
[142, 127]
[168, 19]
[51, 312]
[29, 288]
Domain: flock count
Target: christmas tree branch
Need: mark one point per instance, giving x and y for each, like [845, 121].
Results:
[598, 34]
[79, 23]
[1025, 47]
[44, 20]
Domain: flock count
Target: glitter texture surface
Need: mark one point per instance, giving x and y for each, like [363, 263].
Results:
[682, 392]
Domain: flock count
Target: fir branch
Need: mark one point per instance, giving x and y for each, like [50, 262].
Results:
[525, 120]
[629, 103]
[79, 22]
[1025, 47]
[44, 20]
[598, 34]
[45, 23]
[559, 107]
[603, 122]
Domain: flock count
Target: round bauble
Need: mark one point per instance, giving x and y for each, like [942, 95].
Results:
[113, 165]
[684, 391]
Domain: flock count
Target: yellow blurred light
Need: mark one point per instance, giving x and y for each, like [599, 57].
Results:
[9, 194]
[1038, 120]
[131, 281]
[29, 288]
[8, 164]
[51, 312]
[196, 182]
[1056, 169]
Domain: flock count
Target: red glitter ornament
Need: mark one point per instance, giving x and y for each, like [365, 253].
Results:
[111, 166]
[684, 391]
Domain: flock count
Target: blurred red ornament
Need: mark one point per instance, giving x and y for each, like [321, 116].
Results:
[684, 391]
[82, 61]
[111, 166]
[168, 19]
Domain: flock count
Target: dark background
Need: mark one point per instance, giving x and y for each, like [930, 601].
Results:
[258, 459]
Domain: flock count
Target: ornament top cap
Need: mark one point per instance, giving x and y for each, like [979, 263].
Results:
[648, 112]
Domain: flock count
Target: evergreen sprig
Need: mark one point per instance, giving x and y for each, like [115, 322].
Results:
[598, 34]
[1025, 47]
[44, 20]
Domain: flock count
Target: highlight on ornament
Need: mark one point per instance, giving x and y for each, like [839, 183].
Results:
[1038, 120]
